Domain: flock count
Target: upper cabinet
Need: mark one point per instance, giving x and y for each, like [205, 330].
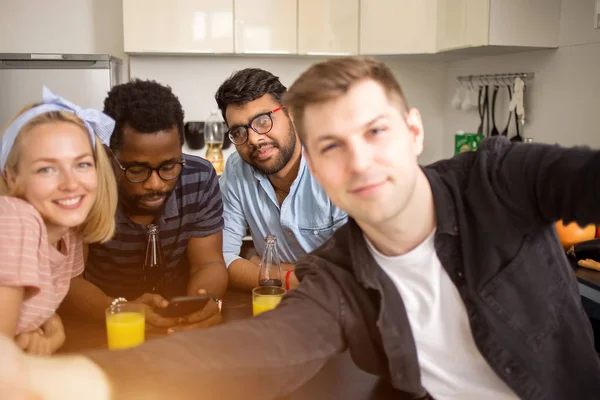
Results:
[474, 23]
[336, 27]
[462, 23]
[398, 26]
[328, 27]
[178, 26]
[266, 26]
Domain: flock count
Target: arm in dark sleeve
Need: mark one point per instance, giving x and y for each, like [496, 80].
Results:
[548, 182]
[259, 358]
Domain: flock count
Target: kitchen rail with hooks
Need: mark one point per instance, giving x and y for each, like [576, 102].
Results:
[498, 79]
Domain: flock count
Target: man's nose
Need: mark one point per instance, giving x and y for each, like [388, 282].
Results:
[154, 182]
[361, 156]
[254, 138]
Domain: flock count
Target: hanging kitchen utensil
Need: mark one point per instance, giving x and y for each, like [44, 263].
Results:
[481, 108]
[505, 131]
[470, 101]
[494, 131]
[484, 112]
[486, 130]
[459, 95]
[517, 137]
[517, 103]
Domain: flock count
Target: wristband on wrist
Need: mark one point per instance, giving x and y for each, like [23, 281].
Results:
[287, 279]
[118, 300]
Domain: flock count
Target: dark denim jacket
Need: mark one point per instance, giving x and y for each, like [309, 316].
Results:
[495, 238]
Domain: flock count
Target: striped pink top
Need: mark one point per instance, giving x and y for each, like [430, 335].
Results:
[28, 260]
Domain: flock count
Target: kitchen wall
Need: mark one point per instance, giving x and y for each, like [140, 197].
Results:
[561, 102]
[65, 26]
[563, 99]
[195, 80]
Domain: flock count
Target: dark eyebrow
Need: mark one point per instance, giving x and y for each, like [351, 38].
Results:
[369, 123]
[249, 119]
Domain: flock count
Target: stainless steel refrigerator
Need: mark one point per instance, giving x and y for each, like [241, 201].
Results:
[84, 79]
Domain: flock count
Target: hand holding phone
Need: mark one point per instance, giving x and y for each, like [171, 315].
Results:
[183, 305]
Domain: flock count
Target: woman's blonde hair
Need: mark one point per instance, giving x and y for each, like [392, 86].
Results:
[99, 226]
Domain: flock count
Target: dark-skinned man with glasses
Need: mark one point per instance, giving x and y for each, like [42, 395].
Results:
[158, 185]
[266, 185]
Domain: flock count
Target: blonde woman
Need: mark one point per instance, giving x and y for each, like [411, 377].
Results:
[57, 190]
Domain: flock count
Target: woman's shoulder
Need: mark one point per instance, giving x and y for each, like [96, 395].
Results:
[13, 207]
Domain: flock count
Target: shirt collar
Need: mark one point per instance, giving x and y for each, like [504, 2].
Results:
[445, 209]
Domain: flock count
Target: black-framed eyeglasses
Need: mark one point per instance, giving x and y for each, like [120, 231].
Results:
[261, 124]
[167, 171]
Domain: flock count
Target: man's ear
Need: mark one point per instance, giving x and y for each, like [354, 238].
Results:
[415, 126]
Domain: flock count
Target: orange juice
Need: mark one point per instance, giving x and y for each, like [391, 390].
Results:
[263, 303]
[125, 329]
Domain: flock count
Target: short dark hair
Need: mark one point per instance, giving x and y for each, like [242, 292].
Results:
[247, 85]
[144, 105]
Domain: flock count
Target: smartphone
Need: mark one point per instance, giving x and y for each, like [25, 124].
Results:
[181, 306]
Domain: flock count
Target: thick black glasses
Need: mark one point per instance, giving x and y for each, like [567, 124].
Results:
[261, 124]
[167, 171]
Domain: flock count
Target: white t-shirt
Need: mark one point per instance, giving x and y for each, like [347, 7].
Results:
[451, 365]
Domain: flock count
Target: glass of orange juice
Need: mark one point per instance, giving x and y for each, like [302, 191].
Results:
[265, 298]
[125, 325]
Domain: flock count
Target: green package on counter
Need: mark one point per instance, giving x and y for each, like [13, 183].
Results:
[466, 142]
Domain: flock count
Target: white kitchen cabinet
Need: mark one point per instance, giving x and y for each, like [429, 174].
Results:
[65, 27]
[462, 23]
[178, 26]
[520, 23]
[328, 27]
[398, 26]
[266, 26]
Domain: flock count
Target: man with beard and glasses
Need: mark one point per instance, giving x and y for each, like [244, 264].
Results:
[266, 185]
[161, 186]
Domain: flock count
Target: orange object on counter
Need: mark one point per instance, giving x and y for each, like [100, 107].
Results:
[572, 233]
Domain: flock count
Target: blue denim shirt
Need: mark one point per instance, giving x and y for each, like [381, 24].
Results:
[304, 221]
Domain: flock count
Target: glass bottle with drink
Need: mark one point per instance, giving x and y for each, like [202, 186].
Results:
[269, 271]
[213, 137]
[153, 263]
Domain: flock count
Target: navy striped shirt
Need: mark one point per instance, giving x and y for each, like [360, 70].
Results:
[194, 209]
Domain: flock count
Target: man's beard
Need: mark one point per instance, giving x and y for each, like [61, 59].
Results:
[286, 151]
[130, 203]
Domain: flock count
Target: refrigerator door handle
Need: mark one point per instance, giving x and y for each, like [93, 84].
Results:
[53, 64]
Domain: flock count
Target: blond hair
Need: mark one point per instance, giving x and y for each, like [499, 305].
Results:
[331, 79]
[99, 226]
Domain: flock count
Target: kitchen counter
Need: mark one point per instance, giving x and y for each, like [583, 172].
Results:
[589, 283]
